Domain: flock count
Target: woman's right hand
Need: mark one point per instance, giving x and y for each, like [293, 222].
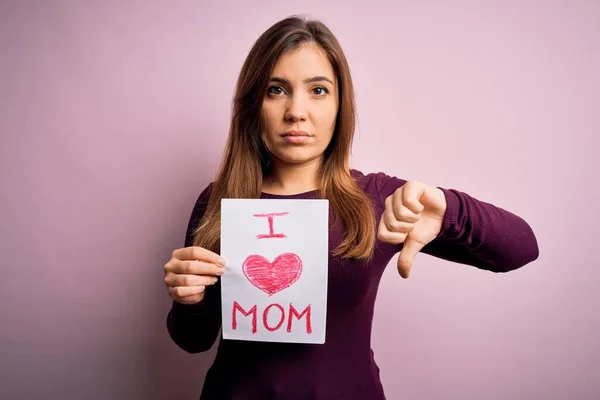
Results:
[189, 271]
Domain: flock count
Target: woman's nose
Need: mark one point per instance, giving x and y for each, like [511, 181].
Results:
[296, 109]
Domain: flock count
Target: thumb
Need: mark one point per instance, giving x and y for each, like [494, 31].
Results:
[407, 256]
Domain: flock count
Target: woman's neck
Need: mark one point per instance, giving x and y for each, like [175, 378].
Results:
[292, 178]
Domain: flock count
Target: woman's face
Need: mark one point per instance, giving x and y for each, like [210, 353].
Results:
[300, 107]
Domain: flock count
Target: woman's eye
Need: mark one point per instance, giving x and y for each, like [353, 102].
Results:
[275, 90]
[320, 91]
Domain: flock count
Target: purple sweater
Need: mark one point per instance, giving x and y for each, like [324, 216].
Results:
[473, 233]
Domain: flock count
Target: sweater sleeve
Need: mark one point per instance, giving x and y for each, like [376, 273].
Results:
[194, 328]
[474, 232]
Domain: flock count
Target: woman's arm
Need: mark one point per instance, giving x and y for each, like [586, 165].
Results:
[474, 232]
[195, 327]
[483, 235]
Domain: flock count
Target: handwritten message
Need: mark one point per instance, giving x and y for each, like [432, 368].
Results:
[275, 285]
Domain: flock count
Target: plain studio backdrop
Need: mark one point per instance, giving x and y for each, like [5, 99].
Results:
[113, 116]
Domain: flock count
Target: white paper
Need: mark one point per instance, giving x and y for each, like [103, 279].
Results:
[277, 256]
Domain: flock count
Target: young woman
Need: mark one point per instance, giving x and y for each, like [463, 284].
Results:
[290, 138]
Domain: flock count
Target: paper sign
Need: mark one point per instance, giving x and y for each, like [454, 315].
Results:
[274, 287]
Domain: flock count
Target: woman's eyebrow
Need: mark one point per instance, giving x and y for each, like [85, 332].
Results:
[309, 80]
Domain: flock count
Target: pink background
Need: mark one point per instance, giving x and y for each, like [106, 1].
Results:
[112, 119]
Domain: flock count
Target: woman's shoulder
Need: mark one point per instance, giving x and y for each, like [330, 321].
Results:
[377, 184]
[201, 202]
[205, 194]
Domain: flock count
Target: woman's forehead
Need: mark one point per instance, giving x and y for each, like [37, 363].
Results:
[303, 63]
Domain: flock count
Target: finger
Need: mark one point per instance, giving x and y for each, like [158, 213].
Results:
[199, 253]
[407, 256]
[388, 211]
[385, 235]
[391, 221]
[411, 194]
[398, 209]
[193, 267]
[193, 299]
[399, 226]
[189, 280]
[402, 212]
[179, 292]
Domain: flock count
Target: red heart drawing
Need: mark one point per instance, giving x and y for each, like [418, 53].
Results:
[272, 277]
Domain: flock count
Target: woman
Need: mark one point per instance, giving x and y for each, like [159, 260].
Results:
[290, 137]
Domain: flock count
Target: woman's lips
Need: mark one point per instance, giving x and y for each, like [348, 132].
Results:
[296, 137]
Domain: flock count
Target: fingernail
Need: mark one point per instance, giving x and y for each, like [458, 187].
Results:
[221, 261]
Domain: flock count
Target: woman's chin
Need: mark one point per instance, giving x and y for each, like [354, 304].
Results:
[297, 157]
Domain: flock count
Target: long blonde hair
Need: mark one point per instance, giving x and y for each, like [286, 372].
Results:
[246, 159]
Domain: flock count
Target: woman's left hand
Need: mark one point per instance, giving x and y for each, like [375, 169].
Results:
[413, 215]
